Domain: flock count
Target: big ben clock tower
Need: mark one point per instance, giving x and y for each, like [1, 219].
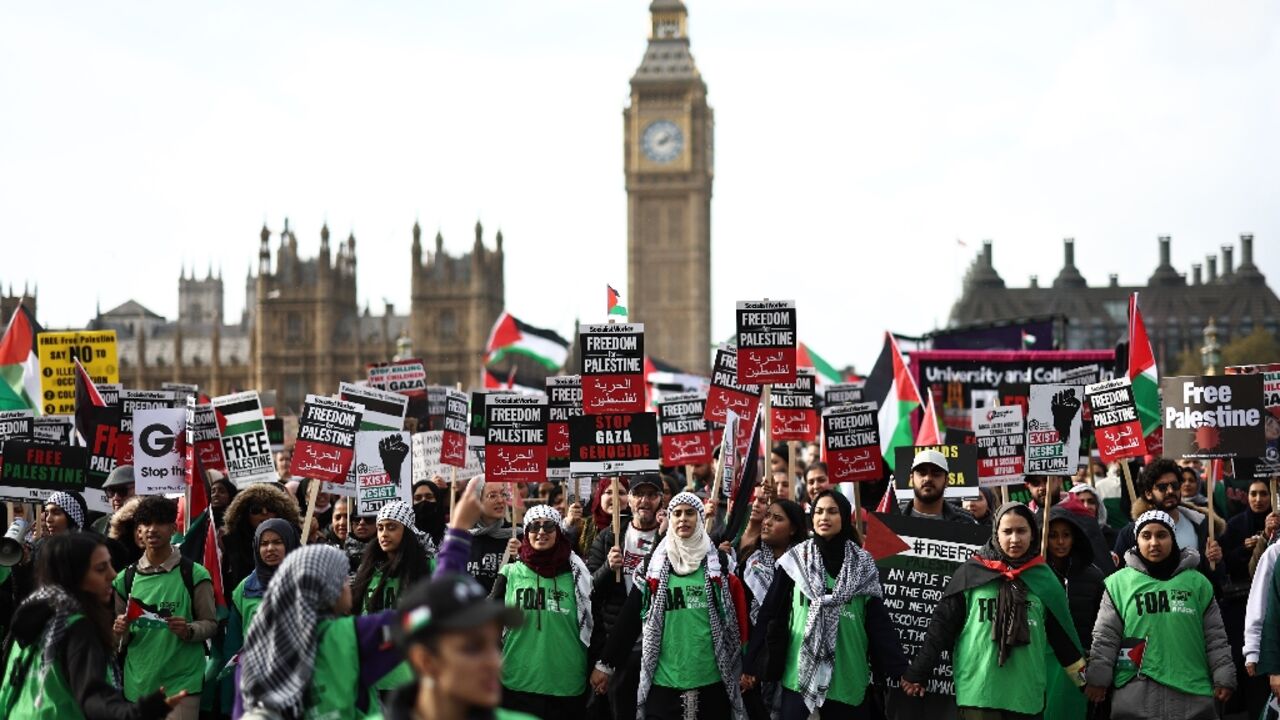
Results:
[668, 161]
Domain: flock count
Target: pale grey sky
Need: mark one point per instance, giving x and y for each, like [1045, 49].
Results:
[855, 143]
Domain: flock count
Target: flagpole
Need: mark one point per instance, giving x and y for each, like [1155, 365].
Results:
[858, 527]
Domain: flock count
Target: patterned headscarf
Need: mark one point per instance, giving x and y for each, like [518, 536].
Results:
[69, 506]
[279, 653]
[402, 512]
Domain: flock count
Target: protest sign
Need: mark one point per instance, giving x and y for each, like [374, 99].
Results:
[275, 433]
[15, 425]
[160, 451]
[614, 444]
[326, 444]
[202, 436]
[246, 449]
[612, 368]
[1000, 438]
[427, 447]
[794, 412]
[1116, 426]
[843, 393]
[130, 402]
[407, 377]
[968, 381]
[852, 438]
[104, 436]
[766, 342]
[1053, 429]
[110, 393]
[564, 401]
[476, 430]
[962, 469]
[728, 468]
[916, 558]
[182, 391]
[34, 470]
[53, 428]
[686, 437]
[382, 469]
[57, 353]
[1211, 417]
[383, 410]
[1268, 463]
[515, 443]
[453, 448]
[726, 393]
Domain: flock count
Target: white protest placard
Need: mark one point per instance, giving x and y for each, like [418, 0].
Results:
[383, 470]
[246, 449]
[383, 410]
[1053, 429]
[160, 450]
[999, 434]
[427, 464]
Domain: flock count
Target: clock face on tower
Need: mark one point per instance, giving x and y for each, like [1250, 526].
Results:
[662, 141]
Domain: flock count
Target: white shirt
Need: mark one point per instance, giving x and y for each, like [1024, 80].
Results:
[1255, 610]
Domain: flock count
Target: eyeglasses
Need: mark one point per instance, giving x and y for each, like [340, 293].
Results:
[547, 527]
[1165, 487]
[121, 491]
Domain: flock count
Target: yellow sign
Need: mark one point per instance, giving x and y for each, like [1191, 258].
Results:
[58, 352]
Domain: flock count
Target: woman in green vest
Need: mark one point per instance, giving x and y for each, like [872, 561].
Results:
[273, 539]
[395, 560]
[305, 657]
[1002, 613]
[1159, 637]
[825, 618]
[693, 615]
[552, 586]
[59, 662]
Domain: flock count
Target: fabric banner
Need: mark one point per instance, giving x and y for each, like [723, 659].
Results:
[326, 444]
[612, 368]
[515, 443]
[57, 353]
[614, 444]
[160, 451]
[564, 402]
[1116, 426]
[246, 450]
[794, 414]
[1054, 429]
[383, 469]
[851, 437]
[999, 436]
[1210, 417]
[726, 393]
[962, 470]
[686, 437]
[766, 342]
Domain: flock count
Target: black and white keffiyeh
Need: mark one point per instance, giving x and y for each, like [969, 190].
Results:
[726, 641]
[69, 506]
[279, 653]
[757, 575]
[581, 575]
[55, 629]
[402, 512]
[858, 576]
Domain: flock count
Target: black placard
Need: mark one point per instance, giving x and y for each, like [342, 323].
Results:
[1213, 416]
[42, 466]
[614, 444]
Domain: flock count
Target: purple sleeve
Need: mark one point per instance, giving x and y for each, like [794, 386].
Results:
[378, 652]
[454, 552]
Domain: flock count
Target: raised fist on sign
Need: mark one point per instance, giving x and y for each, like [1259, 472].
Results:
[1065, 405]
[393, 450]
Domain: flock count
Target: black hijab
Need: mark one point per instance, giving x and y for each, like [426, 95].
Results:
[832, 549]
[992, 550]
[1163, 569]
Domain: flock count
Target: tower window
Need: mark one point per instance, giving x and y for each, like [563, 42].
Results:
[293, 327]
[448, 325]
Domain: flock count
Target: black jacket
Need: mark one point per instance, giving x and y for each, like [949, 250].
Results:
[608, 595]
[950, 512]
[1125, 540]
[1081, 579]
[486, 558]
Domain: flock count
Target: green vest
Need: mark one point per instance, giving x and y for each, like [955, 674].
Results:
[980, 681]
[246, 606]
[498, 714]
[1169, 616]
[56, 701]
[550, 630]
[851, 671]
[156, 657]
[336, 677]
[390, 592]
[686, 660]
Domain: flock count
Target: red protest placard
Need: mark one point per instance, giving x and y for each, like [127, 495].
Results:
[793, 412]
[852, 441]
[1116, 427]
[686, 436]
[612, 368]
[766, 341]
[515, 447]
[726, 393]
[453, 441]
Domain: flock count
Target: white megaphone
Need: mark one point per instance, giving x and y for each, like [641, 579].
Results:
[12, 542]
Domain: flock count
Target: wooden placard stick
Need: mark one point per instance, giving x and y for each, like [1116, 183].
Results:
[1048, 503]
[453, 489]
[715, 491]
[1128, 482]
[617, 523]
[313, 492]
[858, 527]
[688, 478]
[791, 466]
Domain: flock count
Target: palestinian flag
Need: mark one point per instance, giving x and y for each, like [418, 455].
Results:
[931, 431]
[512, 337]
[239, 417]
[200, 545]
[826, 373]
[19, 366]
[662, 379]
[614, 299]
[1145, 378]
[138, 611]
[892, 388]
[511, 382]
[87, 397]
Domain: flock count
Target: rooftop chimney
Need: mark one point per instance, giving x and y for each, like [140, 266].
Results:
[1035, 281]
[1069, 276]
[1165, 275]
[1195, 274]
[1115, 280]
[1212, 260]
[1246, 249]
[1164, 251]
[986, 252]
[1069, 252]
[1228, 263]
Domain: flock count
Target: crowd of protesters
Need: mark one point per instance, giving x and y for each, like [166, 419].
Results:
[631, 600]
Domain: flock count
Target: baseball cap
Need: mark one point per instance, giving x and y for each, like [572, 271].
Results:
[121, 475]
[930, 457]
[651, 479]
[450, 601]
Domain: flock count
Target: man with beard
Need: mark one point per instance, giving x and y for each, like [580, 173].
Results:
[928, 483]
[1159, 483]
